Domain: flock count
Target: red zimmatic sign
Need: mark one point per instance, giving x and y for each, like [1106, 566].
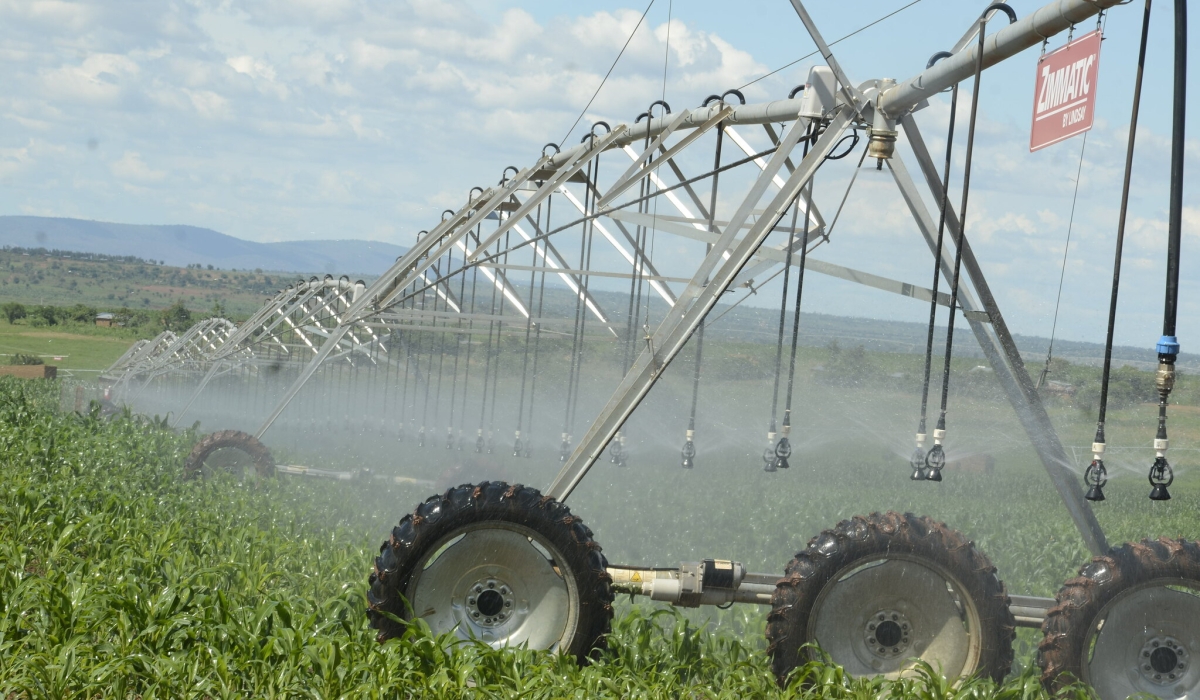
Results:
[1065, 100]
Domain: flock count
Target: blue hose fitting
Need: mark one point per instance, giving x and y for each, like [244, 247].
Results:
[1167, 345]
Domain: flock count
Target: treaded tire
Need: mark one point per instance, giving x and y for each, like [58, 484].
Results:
[1067, 630]
[860, 540]
[441, 517]
[264, 463]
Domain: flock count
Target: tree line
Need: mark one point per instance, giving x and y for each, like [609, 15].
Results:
[176, 317]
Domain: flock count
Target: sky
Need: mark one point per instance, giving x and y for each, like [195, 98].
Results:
[323, 119]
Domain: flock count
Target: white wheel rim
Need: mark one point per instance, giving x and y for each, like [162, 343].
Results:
[1149, 626]
[924, 615]
[497, 582]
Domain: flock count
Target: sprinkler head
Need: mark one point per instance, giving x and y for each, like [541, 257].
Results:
[479, 444]
[421, 437]
[1161, 477]
[450, 440]
[564, 450]
[769, 459]
[491, 444]
[615, 454]
[1095, 477]
[934, 461]
[917, 462]
[688, 455]
[517, 447]
[528, 449]
[783, 450]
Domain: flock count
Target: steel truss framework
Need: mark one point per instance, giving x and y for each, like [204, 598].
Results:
[725, 182]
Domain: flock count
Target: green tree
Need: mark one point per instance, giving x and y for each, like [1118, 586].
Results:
[48, 315]
[218, 309]
[13, 311]
[176, 317]
[80, 313]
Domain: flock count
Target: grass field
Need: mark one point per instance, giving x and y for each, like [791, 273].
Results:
[121, 580]
[80, 348]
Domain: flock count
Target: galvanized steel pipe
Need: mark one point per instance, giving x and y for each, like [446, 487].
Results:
[1013, 39]
[761, 113]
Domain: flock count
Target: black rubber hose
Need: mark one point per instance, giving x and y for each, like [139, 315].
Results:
[936, 457]
[937, 261]
[1116, 281]
[1178, 132]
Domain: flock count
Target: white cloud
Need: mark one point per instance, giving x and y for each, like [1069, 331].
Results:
[131, 167]
[261, 73]
[208, 104]
[97, 78]
[279, 119]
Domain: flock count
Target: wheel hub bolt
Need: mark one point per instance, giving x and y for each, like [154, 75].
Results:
[887, 634]
[1163, 660]
[490, 602]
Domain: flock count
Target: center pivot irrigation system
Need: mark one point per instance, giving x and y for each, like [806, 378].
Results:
[421, 348]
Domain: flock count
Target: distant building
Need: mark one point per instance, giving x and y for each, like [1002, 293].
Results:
[105, 320]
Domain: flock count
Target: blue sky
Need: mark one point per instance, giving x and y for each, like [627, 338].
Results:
[282, 120]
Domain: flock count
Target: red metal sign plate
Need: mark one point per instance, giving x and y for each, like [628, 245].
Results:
[1065, 98]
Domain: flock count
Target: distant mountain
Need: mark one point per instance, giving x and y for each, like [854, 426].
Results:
[185, 245]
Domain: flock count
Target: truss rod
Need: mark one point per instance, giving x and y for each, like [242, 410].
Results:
[696, 301]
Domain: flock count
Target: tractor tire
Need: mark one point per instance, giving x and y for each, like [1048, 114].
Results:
[496, 562]
[879, 590]
[264, 463]
[1128, 623]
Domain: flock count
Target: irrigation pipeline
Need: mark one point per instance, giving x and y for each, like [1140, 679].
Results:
[462, 288]
[437, 399]
[470, 345]
[783, 448]
[576, 331]
[918, 459]
[537, 336]
[936, 459]
[517, 446]
[687, 454]
[500, 279]
[769, 459]
[487, 369]
[1096, 475]
[1161, 476]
